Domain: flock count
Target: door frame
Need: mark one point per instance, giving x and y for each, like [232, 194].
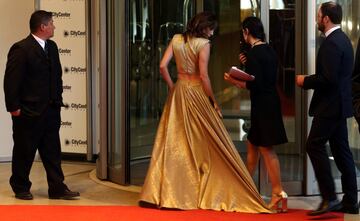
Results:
[114, 135]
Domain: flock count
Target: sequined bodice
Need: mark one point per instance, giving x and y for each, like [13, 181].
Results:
[187, 54]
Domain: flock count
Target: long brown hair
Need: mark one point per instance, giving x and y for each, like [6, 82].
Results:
[197, 25]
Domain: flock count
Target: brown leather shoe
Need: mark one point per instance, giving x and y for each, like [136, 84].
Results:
[326, 206]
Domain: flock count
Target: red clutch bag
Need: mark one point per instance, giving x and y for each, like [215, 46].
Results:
[240, 75]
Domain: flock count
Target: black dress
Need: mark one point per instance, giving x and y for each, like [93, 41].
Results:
[267, 127]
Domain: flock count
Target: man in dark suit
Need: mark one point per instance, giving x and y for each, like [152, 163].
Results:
[330, 106]
[33, 96]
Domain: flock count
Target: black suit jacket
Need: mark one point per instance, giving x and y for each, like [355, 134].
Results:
[356, 84]
[332, 81]
[32, 78]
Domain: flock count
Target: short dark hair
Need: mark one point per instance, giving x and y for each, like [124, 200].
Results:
[332, 10]
[199, 23]
[255, 27]
[38, 18]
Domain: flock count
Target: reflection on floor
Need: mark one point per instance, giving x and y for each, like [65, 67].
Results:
[80, 177]
[76, 177]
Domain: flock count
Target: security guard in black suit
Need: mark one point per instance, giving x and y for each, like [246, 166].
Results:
[33, 96]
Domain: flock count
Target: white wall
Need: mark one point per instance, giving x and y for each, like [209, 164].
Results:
[14, 26]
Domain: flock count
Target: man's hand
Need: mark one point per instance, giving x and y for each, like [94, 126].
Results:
[299, 80]
[15, 113]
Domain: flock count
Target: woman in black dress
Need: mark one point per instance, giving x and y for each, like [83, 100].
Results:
[267, 127]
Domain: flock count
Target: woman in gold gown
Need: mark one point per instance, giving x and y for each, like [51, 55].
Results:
[194, 162]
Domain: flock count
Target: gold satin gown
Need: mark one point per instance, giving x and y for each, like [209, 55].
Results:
[194, 163]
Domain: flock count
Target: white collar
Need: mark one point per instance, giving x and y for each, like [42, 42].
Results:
[331, 30]
[39, 40]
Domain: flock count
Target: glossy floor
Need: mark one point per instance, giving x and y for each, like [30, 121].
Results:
[81, 177]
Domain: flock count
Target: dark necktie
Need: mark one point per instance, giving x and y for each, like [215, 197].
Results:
[46, 48]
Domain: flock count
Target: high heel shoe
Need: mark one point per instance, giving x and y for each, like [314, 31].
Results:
[280, 204]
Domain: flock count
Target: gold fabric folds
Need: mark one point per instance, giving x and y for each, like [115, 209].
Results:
[194, 162]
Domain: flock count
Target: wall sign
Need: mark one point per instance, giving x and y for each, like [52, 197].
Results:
[71, 37]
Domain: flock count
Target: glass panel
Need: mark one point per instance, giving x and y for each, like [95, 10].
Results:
[152, 25]
[277, 4]
[226, 46]
[235, 103]
[350, 25]
[162, 19]
[282, 39]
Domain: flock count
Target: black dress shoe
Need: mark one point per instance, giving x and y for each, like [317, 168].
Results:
[24, 196]
[66, 195]
[326, 206]
[348, 208]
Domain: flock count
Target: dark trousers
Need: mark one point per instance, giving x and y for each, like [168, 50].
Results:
[334, 131]
[37, 133]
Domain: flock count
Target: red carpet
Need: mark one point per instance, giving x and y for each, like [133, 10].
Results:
[129, 213]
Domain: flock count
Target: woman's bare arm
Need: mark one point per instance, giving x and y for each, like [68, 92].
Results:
[203, 68]
[164, 66]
